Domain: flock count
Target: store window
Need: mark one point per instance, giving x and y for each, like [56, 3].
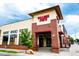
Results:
[12, 39]
[13, 31]
[6, 32]
[5, 40]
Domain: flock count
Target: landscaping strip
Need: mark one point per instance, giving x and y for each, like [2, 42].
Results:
[8, 51]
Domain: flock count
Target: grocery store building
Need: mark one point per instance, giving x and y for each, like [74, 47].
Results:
[45, 27]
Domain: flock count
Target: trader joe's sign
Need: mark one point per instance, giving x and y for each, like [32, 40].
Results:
[43, 18]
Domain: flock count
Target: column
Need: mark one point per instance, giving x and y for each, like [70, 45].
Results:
[34, 28]
[17, 39]
[1, 38]
[55, 37]
[44, 40]
[35, 46]
[8, 38]
[38, 40]
[62, 38]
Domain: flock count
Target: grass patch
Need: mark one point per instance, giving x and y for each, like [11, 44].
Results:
[8, 51]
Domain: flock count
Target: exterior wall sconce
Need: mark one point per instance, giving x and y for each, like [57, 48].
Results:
[53, 35]
[62, 35]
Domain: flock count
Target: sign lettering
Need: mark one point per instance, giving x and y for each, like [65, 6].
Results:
[43, 18]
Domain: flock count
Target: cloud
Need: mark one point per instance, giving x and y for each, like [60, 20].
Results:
[75, 35]
[72, 19]
[72, 24]
[30, 5]
[10, 13]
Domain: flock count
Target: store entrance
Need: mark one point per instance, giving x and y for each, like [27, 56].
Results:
[44, 39]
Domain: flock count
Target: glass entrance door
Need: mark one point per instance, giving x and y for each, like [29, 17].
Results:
[45, 39]
[48, 40]
[41, 40]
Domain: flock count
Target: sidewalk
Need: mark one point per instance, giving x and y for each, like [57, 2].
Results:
[72, 51]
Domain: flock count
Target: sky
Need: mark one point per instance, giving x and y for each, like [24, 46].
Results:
[17, 10]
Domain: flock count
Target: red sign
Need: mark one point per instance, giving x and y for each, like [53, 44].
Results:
[43, 18]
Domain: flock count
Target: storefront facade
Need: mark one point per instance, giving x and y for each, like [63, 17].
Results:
[45, 28]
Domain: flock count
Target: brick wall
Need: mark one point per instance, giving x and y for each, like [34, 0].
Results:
[52, 27]
[14, 47]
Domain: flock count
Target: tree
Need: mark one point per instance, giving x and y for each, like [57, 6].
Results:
[77, 41]
[71, 40]
[26, 38]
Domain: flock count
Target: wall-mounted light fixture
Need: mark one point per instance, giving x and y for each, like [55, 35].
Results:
[53, 35]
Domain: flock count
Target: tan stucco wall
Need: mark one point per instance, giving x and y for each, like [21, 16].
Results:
[18, 25]
[52, 15]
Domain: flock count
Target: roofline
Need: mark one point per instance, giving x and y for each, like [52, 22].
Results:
[15, 22]
[54, 7]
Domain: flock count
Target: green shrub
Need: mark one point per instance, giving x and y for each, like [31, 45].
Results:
[26, 38]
